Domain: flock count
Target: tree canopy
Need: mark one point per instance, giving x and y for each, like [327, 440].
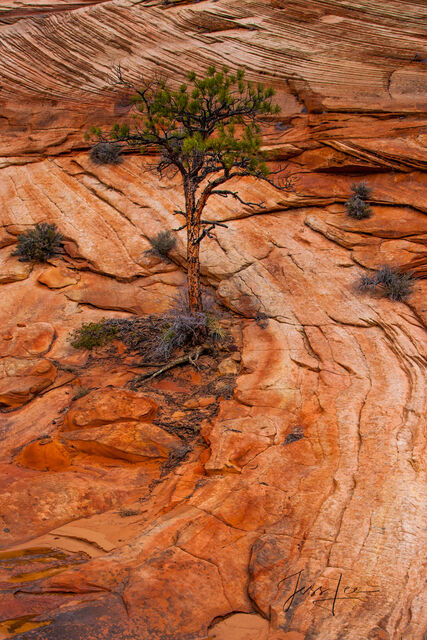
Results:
[207, 130]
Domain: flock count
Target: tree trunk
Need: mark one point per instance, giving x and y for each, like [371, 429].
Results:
[193, 268]
[193, 248]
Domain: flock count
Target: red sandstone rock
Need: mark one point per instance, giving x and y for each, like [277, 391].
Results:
[11, 270]
[235, 442]
[315, 464]
[21, 379]
[45, 456]
[240, 626]
[124, 440]
[196, 403]
[58, 277]
[227, 367]
[28, 340]
[107, 406]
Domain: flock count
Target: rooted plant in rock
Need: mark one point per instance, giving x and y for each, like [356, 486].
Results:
[156, 338]
[39, 244]
[93, 334]
[215, 329]
[162, 243]
[356, 206]
[395, 284]
[170, 339]
[208, 132]
[361, 190]
[106, 153]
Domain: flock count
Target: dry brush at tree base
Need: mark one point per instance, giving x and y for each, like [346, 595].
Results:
[157, 339]
[218, 500]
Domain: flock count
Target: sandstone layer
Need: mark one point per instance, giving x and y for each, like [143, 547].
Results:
[195, 507]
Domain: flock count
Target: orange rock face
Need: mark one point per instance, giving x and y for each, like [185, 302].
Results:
[44, 456]
[276, 492]
[107, 406]
[57, 277]
[22, 373]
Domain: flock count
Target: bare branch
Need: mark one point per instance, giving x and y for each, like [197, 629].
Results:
[226, 192]
[190, 357]
[207, 232]
[213, 222]
[117, 77]
[287, 182]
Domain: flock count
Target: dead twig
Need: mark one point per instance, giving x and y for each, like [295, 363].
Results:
[190, 357]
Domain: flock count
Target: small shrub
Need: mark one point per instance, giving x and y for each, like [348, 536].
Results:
[155, 338]
[179, 328]
[297, 433]
[127, 513]
[38, 244]
[93, 334]
[356, 206]
[261, 319]
[80, 391]
[106, 153]
[162, 243]
[361, 190]
[395, 284]
[214, 328]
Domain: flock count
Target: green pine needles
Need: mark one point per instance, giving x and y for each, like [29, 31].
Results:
[196, 124]
[208, 131]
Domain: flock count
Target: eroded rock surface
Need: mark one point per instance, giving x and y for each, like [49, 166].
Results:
[196, 506]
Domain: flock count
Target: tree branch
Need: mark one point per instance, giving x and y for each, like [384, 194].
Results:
[288, 182]
[213, 222]
[226, 192]
[206, 232]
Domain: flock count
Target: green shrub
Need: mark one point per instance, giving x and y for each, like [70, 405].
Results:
[356, 206]
[93, 334]
[38, 244]
[162, 243]
[106, 153]
[395, 284]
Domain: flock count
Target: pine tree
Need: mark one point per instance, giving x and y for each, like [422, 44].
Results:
[208, 131]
